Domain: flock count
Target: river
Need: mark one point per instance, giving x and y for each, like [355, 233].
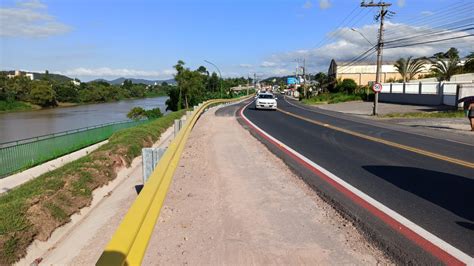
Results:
[21, 125]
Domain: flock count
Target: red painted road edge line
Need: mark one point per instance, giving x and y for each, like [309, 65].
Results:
[394, 224]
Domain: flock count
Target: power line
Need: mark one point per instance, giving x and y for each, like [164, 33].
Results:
[436, 20]
[426, 42]
[453, 30]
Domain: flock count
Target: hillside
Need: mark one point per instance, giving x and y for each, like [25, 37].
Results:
[55, 77]
[119, 81]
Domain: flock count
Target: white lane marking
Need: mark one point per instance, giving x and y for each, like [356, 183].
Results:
[368, 123]
[453, 251]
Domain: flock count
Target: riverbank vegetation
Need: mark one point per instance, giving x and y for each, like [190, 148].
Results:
[35, 209]
[196, 86]
[138, 113]
[7, 106]
[48, 92]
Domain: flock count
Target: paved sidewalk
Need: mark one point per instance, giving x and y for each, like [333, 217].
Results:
[364, 109]
[233, 202]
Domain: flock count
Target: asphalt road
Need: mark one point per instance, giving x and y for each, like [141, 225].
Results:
[435, 192]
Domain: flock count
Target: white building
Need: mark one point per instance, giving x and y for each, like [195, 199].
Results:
[18, 73]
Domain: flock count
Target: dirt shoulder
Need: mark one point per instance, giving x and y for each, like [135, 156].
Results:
[233, 202]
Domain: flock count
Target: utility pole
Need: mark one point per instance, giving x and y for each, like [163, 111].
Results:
[381, 16]
[248, 83]
[304, 79]
[255, 81]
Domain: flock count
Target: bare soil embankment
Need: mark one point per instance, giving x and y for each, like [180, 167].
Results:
[33, 210]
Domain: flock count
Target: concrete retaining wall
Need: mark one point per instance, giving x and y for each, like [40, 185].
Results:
[426, 93]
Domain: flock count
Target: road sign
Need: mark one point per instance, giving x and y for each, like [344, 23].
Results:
[377, 87]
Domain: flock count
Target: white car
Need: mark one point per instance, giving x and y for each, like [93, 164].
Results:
[266, 101]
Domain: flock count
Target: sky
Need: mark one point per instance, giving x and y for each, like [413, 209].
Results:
[89, 39]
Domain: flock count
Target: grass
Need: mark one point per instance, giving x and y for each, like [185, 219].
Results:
[434, 114]
[328, 98]
[13, 106]
[28, 211]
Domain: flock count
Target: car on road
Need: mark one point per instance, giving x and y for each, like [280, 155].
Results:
[266, 101]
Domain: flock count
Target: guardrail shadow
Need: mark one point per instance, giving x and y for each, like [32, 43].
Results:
[452, 192]
[112, 258]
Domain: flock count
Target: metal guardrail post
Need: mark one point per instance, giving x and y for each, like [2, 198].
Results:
[182, 121]
[177, 127]
[150, 158]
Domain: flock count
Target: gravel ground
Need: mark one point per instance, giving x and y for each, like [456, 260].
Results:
[239, 204]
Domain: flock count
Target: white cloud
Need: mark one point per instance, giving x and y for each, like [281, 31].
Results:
[32, 4]
[117, 72]
[427, 13]
[401, 3]
[280, 72]
[268, 64]
[29, 19]
[245, 65]
[323, 4]
[348, 44]
[308, 5]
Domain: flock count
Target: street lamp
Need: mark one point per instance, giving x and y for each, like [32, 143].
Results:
[220, 75]
[363, 36]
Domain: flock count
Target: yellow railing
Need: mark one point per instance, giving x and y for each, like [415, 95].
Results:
[129, 242]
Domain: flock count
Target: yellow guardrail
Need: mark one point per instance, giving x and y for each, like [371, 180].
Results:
[129, 242]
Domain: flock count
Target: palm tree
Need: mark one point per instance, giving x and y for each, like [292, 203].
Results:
[445, 68]
[409, 68]
[469, 64]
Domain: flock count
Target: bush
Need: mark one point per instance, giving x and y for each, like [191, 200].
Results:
[347, 85]
[138, 113]
[153, 113]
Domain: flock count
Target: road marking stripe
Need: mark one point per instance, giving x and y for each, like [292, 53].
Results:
[386, 142]
[426, 240]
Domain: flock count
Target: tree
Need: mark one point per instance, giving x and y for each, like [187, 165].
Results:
[136, 113]
[153, 113]
[202, 70]
[213, 83]
[66, 92]
[190, 85]
[173, 100]
[446, 65]
[42, 94]
[409, 68]
[321, 78]
[469, 64]
[347, 85]
[445, 68]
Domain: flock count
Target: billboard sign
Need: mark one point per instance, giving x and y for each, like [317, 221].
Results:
[291, 81]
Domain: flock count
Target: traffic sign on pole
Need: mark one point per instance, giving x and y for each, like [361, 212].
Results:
[377, 87]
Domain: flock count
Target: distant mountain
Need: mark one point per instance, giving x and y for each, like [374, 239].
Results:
[119, 81]
[36, 75]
